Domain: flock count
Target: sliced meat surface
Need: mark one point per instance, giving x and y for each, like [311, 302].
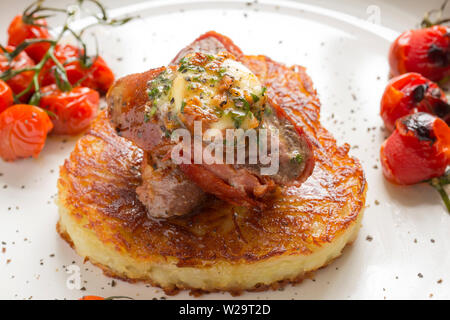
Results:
[166, 192]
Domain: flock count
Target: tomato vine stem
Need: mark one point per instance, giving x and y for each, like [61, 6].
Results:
[427, 22]
[31, 15]
[438, 184]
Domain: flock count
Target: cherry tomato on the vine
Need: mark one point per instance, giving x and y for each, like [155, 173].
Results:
[71, 112]
[19, 31]
[21, 81]
[23, 131]
[6, 96]
[411, 93]
[425, 51]
[97, 76]
[417, 150]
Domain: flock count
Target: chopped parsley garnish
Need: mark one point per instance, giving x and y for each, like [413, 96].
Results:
[149, 114]
[166, 132]
[263, 91]
[186, 66]
[222, 71]
[237, 116]
[242, 103]
[183, 104]
[153, 93]
[298, 158]
[159, 86]
[255, 98]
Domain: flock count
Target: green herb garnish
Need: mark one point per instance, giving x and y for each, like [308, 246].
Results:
[242, 103]
[298, 158]
[148, 115]
[255, 98]
[153, 93]
[263, 91]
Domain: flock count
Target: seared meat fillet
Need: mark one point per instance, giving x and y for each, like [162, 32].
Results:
[166, 192]
[142, 108]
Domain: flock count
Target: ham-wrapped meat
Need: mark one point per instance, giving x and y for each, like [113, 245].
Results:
[207, 85]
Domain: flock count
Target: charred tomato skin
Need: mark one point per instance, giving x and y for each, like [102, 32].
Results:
[417, 150]
[6, 96]
[425, 51]
[19, 31]
[23, 131]
[22, 80]
[411, 93]
[98, 76]
[71, 112]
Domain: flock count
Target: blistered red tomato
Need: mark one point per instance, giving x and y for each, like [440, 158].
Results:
[411, 93]
[23, 131]
[98, 76]
[425, 51]
[417, 150]
[19, 31]
[22, 80]
[6, 96]
[71, 112]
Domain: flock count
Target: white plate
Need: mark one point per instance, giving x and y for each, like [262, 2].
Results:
[346, 58]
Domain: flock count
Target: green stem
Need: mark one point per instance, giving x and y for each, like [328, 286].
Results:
[27, 89]
[10, 73]
[427, 22]
[444, 197]
[438, 184]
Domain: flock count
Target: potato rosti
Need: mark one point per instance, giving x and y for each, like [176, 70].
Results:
[220, 246]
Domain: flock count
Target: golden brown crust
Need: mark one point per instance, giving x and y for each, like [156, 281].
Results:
[102, 173]
[107, 180]
[170, 291]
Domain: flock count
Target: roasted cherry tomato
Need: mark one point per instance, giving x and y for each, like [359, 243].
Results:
[411, 93]
[92, 298]
[21, 81]
[98, 76]
[417, 150]
[425, 51]
[23, 131]
[71, 112]
[6, 96]
[19, 31]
